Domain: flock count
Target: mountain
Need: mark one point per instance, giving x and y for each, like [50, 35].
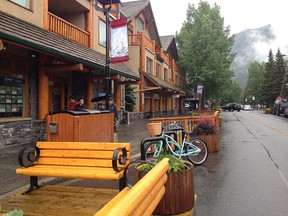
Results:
[250, 45]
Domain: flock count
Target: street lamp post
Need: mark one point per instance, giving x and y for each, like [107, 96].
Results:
[106, 9]
[195, 77]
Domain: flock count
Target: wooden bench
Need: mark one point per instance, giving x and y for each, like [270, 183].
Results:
[142, 198]
[83, 160]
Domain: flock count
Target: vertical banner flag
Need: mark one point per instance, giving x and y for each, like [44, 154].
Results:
[119, 41]
[199, 88]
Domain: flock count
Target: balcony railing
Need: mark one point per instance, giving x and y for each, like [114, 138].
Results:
[163, 55]
[141, 39]
[68, 30]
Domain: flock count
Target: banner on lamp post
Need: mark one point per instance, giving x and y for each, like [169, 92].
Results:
[199, 88]
[119, 41]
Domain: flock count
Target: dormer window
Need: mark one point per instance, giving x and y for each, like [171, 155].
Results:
[140, 25]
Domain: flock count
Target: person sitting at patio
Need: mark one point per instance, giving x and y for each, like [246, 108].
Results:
[100, 106]
[81, 105]
[73, 103]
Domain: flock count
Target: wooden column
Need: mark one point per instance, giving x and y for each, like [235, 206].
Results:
[43, 90]
[152, 104]
[160, 103]
[45, 12]
[89, 18]
[89, 91]
[117, 94]
[172, 103]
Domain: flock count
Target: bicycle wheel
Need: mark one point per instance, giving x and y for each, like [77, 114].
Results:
[200, 157]
[152, 150]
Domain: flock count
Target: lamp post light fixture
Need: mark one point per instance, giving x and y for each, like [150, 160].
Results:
[195, 77]
[107, 9]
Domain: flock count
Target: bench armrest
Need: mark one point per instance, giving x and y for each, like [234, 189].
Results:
[28, 155]
[120, 158]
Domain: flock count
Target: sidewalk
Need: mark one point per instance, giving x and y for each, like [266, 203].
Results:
[133, 133]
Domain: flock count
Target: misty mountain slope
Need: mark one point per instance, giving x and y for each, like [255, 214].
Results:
[250, 45]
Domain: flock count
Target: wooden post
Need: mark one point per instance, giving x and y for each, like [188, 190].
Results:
[89, 91]
[43, 90]
[117, 93]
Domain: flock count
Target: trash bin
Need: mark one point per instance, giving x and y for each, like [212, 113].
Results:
[87, 125]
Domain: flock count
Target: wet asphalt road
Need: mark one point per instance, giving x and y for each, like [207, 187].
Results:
[248, 176]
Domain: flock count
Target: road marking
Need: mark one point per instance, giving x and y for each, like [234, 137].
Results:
[278, 131]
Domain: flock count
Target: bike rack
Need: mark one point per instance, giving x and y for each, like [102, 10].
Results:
[175, 131]
[142, 144]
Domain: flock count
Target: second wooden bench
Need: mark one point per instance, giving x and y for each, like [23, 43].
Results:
[83, 160]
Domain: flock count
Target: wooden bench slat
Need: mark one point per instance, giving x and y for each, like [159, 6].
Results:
[151, 196]
[73, 173]
[133, 199]
[83, 145]
[154, 203]
[75, 162]
[78, 153]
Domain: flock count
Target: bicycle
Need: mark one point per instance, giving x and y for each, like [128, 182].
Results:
[195, 149]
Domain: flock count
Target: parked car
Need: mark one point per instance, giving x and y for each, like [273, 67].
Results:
[247, 107]
[280, 107]
[231, 107]
[286, 113]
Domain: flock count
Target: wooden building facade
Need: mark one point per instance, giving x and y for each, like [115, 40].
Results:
[154, 57]
[50, 50]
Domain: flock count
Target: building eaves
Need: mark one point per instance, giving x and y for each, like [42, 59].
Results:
[133, 8]
[166, 41]
[16, 30]
[163, 84]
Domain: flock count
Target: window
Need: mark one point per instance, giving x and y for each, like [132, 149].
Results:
[149, 63]
[158, 70]
[102, 33]
[23, 3]
[140, 25]
[170, 74]
[11, 96]
[165, 74]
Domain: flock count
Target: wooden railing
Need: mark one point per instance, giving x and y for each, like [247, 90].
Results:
[138, 39]
[189, 121]
[163, 55]
[68, 30]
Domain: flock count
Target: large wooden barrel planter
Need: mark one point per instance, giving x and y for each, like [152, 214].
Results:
[212, 141]
[179, 193]
[154, 129]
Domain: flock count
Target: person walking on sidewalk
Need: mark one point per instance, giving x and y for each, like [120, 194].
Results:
[81, 105]
[73, 103]
[113, 109]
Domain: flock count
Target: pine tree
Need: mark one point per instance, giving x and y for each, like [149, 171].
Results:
[130, 99]
[266, 90]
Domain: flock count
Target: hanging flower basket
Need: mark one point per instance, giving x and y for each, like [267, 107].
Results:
[154, 129]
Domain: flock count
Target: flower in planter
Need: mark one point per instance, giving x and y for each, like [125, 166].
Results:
[204, 126]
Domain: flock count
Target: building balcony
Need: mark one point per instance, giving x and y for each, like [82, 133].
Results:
[68, 30]
[141, 40]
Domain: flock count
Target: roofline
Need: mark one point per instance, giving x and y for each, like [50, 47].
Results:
[66, 56]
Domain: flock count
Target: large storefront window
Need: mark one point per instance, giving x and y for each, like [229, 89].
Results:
[11, 96]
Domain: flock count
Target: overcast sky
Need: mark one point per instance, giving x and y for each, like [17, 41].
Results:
[239, 14]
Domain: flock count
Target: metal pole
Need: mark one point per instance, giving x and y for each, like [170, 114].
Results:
[108, 74]
[196, 96]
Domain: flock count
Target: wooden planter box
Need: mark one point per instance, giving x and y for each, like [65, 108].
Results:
[268, 111]
[212, 141]
[179, 192]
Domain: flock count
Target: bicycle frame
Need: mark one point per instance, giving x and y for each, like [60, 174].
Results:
[181, 150]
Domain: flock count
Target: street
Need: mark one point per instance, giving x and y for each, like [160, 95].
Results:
[248, 176]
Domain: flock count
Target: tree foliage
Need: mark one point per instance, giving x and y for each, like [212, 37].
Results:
[275, 78]
[205, 48]
[130, 98]
[255, 81]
